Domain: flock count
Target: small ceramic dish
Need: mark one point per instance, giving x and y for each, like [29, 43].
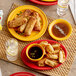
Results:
[35, 52]
[59, 21]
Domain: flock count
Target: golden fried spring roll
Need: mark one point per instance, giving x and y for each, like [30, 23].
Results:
[50, 63]
[51, 56]
[37, 24]
[42, 62]
[49, 48]
[21, 28]
[61, 59]
[27, 12]
[30, 26]
[17, 22]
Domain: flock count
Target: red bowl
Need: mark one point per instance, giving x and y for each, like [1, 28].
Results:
[44, 3]
[33, 64]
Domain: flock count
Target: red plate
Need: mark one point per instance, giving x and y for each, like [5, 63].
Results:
[44, 3]
[33, 64]
[23, 74]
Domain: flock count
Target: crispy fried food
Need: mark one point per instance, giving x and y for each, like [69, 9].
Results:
[17, 22]
[49, 49]
[55, 51]
[22, 27]
[44, 43]
[56, 46]
[42, 62]
[37, 24]
[52, 56]
[61, 56]
[30, 26]
[51, 63]
[26, 13]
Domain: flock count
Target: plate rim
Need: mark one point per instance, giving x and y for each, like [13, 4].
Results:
[44, 3]
[40, 68]
[22, 72]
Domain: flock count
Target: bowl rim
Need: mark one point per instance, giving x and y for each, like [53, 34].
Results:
[59, 21]
[33, 45]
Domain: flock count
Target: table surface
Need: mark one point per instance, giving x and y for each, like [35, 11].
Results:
[8, 68]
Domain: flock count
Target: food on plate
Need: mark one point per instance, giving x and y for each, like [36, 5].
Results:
[35, 52]
[56, 51]
[26, 13]
[55, 45]
[41, 62]
[37, 24]
[49, 49]
[21, 28]
[52, 56]
[51, 63]
[17, 22]
[44, 43]
[61, 56]
[30, 26]
[60, 30]
[25, 22]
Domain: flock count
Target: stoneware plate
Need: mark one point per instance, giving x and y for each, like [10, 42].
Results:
[33, 64]
[35, 34]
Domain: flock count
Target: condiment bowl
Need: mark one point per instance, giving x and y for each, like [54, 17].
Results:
[59, 21]
[35, 45]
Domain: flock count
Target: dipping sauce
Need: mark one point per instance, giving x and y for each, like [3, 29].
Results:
[35, 52]
[60, 30]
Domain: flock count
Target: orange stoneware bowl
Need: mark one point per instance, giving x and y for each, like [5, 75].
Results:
[35, 45]
[59, 21]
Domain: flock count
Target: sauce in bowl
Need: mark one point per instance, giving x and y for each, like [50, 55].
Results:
[60, 30]
[35, 52]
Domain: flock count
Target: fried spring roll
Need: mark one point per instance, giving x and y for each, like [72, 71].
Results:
[49, 48]
[17, 22]
[42, 62]
[50, 63]
[51, 56]
[21, 28]
[26, 13]
[30, 26]
[61, 59]
[37, 24]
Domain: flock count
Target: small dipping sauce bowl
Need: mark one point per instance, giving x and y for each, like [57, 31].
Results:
[60, 29]
[35, 52]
